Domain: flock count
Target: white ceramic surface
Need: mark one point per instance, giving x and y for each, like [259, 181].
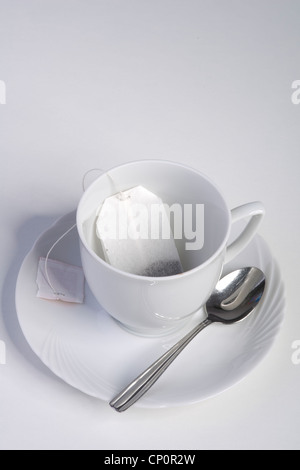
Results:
[86, 348]
[156, 306]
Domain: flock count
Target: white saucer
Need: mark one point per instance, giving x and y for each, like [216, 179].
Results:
[86, 348]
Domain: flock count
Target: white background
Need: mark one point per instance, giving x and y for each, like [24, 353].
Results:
[94, 83]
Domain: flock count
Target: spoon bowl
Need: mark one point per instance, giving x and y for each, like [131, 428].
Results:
[235, 297]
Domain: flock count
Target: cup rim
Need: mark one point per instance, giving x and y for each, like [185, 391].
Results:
[108, 266]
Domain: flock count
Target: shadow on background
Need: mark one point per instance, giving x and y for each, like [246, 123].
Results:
[26, 236]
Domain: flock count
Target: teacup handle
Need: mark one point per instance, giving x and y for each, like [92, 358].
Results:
[256, 211]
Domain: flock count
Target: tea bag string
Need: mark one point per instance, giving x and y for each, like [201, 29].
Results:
[55, 292]
[83, 183]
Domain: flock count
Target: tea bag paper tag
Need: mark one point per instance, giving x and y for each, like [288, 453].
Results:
[67, 279]
[135, 234]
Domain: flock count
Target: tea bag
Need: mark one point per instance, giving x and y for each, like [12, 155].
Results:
[135, 234]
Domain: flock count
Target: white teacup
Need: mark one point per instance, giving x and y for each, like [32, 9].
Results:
[153, 306]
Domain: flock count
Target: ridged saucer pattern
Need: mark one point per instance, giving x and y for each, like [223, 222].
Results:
[87, 349]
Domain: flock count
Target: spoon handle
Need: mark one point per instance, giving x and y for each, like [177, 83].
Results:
[136, 389]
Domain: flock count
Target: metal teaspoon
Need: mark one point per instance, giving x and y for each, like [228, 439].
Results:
[234, 298]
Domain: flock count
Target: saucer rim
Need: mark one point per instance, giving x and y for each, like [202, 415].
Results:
[144, 403]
